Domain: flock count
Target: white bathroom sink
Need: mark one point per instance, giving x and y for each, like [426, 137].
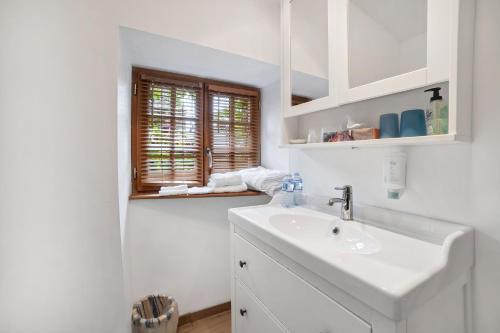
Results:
[392, 261]
[342, 236]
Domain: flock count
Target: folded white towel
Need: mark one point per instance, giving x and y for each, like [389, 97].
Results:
[173, 192]
[174, 188]
[200, 190]
[226, 189]
[262, 179]
[226, 179]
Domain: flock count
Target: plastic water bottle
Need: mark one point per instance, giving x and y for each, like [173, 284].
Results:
[298, 185]
[287, 193]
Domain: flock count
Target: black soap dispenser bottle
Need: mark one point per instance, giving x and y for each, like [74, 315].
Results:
[436, 116]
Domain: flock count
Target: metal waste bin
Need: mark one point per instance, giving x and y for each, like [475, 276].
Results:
[155, 314]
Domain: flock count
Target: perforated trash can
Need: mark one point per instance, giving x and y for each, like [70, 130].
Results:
[155, 314]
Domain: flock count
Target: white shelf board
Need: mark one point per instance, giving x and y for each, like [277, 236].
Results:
[406, 141]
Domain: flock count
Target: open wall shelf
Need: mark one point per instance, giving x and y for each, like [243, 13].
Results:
[406, 141]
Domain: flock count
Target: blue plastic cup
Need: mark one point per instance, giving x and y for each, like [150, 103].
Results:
[413, 123]
[389, 125]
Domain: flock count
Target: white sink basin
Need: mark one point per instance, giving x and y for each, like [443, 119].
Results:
[392, 261]
[347, 237]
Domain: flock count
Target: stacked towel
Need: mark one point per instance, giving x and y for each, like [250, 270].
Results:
[227, 182]
[262, 179]
[200, 190]
[225, 179]
[173, 190]
[258, 179]
[229, 189]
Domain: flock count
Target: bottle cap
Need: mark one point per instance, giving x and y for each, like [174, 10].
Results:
[435, 94]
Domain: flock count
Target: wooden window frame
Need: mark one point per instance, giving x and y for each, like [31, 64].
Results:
[297, 100]
[152, 192]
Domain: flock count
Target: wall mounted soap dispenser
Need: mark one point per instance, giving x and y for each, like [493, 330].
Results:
[395, 174]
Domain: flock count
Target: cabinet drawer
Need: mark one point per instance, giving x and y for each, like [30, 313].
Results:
[250, 315]
[297, 304]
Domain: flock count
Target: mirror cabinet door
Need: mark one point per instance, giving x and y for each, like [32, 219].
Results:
[386, 38]
[384, 47]
[309, 51]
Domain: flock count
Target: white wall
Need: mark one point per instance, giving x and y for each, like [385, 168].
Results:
[124, 133]
[124, 141]
[59, 226]
[181, 247]
[460, 183]
[485, 165]
[167, 242]
[246, 27]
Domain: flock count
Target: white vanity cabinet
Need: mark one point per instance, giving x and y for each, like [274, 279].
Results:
[294, 302]
[274, 287]
[267, 297]
[251, 315]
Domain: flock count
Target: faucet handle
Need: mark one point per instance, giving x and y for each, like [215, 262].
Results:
[346, 191]
[344, 188]
[346, 210]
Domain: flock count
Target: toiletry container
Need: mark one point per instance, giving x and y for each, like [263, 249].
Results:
[436, 116]
[389, 125]
[413, 123]
[298, 186]
[395, 174]
[287, 193]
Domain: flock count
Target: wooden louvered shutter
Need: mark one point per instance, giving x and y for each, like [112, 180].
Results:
[233, 127]
[169, 132]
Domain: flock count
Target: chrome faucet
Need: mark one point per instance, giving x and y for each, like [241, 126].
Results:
[346, 201]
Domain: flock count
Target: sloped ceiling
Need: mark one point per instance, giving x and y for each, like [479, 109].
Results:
[169, 54]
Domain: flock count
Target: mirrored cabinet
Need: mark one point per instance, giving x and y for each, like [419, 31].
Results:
[385, 39]
[338, 56]
[307, 54]
[388, 46]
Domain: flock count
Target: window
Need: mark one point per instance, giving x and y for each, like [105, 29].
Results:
[184, 128]
[233, 128]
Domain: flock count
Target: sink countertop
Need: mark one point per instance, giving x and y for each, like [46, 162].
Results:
[402, 273]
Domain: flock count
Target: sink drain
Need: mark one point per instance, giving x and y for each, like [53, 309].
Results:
[335, 230]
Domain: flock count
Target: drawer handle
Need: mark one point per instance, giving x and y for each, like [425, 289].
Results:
[242, 263]
[243, 312]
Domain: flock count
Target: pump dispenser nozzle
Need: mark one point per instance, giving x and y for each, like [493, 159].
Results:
[435, 95]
